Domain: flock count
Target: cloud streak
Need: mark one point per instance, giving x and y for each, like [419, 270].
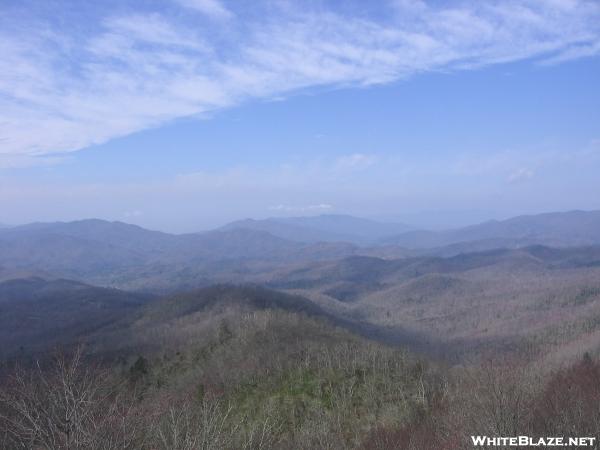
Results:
[212, 8]
[320, 207]
[66, 88]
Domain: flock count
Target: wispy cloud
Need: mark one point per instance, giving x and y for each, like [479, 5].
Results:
[212, 8]
[132, 214]
[301, 209]
[63, 88]
[521, 174]
[575, 52]
[9, 161]
[355, 161]
[516, 166]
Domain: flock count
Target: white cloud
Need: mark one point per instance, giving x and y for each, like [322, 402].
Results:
[355, 161]
[212, 8]
[575, 52]
[132, 214]
[10, 161]
[521, 174]
[307, 208]
[62, 89]
[144, 29]
[323, 172]
[516, 165]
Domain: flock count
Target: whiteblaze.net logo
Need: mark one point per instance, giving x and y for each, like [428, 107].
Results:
[528, 441]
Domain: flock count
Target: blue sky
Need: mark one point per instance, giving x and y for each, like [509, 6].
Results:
[184, 114]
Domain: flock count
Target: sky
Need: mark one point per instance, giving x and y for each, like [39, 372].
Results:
[182, 115]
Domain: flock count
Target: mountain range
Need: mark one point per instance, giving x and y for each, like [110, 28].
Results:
[116, 254]
[111, 253]
[554, 229]
[327, 227]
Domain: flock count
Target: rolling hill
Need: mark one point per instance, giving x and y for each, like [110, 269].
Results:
[247, 367]
[37, 314]
[508, 300]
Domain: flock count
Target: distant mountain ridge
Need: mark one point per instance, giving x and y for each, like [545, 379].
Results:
[118, 254]
[364, 271]
[560, 229]
[326, 228]
[127, 256]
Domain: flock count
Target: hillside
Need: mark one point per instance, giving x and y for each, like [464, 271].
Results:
[7, 273]
[259, 378]
[37, 314]
[234, 367]
[519, 301]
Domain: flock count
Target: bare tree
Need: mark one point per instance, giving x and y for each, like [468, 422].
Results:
[69, 405]
[190, 427]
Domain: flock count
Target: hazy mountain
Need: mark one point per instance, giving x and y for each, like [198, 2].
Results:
[355, 275]
[330, 227]
[573, 228]
[135, 244]
[36, 314]
[285, 231]
[351, 277]
[118, 254]
[237, 244]
[64, 255]
[117, 234]
[127, 256]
